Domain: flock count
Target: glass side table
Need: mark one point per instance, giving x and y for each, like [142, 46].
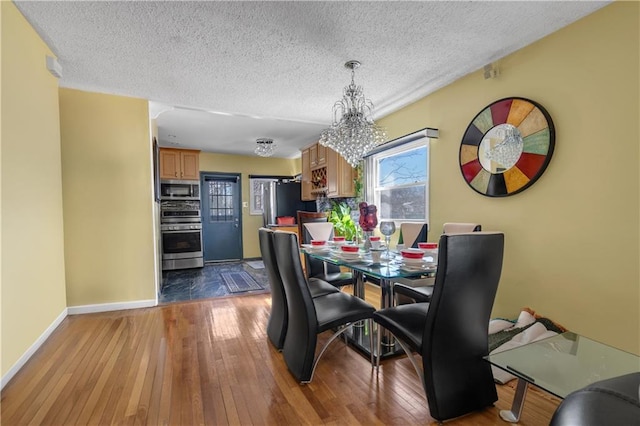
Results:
[560, 365]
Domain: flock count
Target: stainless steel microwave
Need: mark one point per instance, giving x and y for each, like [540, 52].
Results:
[179, 190]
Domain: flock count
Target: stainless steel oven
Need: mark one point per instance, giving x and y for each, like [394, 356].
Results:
[181, 231]
[180, 212]
[181, 246]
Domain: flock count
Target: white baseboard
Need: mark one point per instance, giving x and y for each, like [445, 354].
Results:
[32, 349]
[107, 307]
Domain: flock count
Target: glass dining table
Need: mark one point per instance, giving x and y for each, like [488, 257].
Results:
[390, 268]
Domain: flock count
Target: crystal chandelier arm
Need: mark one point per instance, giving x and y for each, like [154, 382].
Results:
[338, 112]
[367, 108]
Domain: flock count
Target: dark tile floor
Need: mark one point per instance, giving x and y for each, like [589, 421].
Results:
[203, 283]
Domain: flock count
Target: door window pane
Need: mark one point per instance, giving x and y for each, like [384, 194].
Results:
[220, 201]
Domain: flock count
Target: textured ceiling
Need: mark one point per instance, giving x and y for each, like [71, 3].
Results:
[220, 74]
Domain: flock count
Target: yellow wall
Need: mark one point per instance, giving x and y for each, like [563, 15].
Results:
[248, 166]
[108, 198]
[572, 238]
[33, 275]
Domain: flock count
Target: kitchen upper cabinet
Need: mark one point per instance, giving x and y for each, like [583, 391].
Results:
[179, 164]
[313, 155]
[317, 156]
[322, 155]
[330, 174]
[306, 177]
[340, 176]
[190, 164]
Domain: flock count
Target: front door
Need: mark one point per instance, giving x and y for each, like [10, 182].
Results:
[221, 221]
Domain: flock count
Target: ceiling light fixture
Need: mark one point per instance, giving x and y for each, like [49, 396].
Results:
[353, 132]
[265, 147]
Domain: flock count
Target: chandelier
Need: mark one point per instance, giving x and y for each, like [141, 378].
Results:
[353, 132]
[265, 147]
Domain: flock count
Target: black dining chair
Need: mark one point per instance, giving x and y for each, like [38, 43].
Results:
[451, 331]
[279, 317]
[316, 268]
[614, 401]
[412, 233]
[421, 289]
[309, 316]
[460, 227]
[418, 293]
[416, 232]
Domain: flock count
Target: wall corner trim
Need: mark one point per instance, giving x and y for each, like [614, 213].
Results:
[33, 348]
[107, 307]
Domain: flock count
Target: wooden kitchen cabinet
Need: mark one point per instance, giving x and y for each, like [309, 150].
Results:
[179, 164]
[313, 155]
[306, 184]
[322, 155]
[340, 176]
[334, 177]
[317, 156]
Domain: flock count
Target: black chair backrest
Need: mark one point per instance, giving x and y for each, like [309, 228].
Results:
[460, 227]
[314, 267]
[279, 317]
[455, 338]
[421, 236]
[302, 328]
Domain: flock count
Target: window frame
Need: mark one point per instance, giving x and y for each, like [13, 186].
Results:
[253, 210]
[371, 164]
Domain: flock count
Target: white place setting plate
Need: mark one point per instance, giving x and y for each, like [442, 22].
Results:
[347, 256]
[315, 249]
[425, 266]
[413, 261]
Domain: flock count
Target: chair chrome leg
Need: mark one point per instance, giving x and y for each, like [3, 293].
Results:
[370, 320]
[406, 350]
[324, 348]
[379, 345]
[412, 358]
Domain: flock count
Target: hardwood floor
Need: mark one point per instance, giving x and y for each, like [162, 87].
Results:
[209, 362]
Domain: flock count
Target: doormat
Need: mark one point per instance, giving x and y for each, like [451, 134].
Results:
[239, 282]
[256, 264]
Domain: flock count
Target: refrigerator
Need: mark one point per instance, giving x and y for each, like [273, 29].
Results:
[283, 198]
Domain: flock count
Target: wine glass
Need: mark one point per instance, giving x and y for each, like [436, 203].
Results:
[355, 217]
[387, 228]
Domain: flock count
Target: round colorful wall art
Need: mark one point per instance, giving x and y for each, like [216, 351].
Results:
[507, 147]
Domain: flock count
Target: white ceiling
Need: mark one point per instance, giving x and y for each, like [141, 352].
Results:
[221, 74]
